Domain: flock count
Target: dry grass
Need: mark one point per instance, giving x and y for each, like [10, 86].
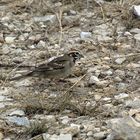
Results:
[121, 11]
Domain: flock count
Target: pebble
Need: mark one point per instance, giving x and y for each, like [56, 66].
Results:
[136, 10]
[9, 39]
[97, 97]
[5, 49]
[93, 80]
[121, 96]
[120, 73]
[46, 136]
[120, 60]
[125, 128]
[135, 104]
[72, 12]
[108, 72]
[99, 135]
[135, 30]
[85, 35]
[137, 37]
[70, 130]
[65, 137]
[48, 18]
[23, 82]
[103, 83]
[17, 113]
[121, 86]
[20, 121]
[90, 133]
[106, 99]
[117, 79]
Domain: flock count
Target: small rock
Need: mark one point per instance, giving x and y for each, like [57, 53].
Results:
[121, 86]
[136, 10]
[137, 37]
[133, 104]
[4, 98]
[108, 72]
[85, 35]
[9, 39]
[117, 79]
[48, 18]
[20, 121]
[97, 97]
[93, 80]
[17, 113]
[133, 65]
[99, 135]
[127, 33]
[103, 83]
[90, 133]
[50, 137]
[121, 96]
[23, 82]
[120, 60]
[5, 49]
[72, 12]
[70, 130]
[106, 99]
[65, 137]
[124, 128]
[120, 73]
[135, 30]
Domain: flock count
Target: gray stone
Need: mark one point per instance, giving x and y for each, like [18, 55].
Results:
[90, 134]
[5, 49]
[48, 18]
[120, 73]
[135, 104]
[72, 12]
[85, 35]
[9, 39]
[136, 10]
[20, 121]
[17, 113]
[73, 130]
[121, 96]
[65, 137]
[120, 60]
[22, 82]
[124, 128]
[135, 30]
[4, 98]
[47, 136]
[121, 86]
[137, 37]
[99, 135]
[93, 80]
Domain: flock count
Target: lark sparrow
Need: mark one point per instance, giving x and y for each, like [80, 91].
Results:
[59, 67]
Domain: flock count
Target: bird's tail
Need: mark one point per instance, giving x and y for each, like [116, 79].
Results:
[22, 76]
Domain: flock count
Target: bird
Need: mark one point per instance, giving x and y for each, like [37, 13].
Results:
[58, 68]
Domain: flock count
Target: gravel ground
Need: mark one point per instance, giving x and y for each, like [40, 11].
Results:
[100, 96]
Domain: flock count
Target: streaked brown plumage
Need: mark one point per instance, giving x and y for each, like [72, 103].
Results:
[59, 67]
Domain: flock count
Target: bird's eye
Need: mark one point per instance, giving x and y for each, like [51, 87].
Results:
[77, 53]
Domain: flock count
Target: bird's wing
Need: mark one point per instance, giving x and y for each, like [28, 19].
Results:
[57, 63]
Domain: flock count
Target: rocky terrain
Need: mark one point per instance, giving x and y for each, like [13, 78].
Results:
[100, 100]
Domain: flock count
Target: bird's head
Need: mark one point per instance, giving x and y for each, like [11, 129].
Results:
[76, 55]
